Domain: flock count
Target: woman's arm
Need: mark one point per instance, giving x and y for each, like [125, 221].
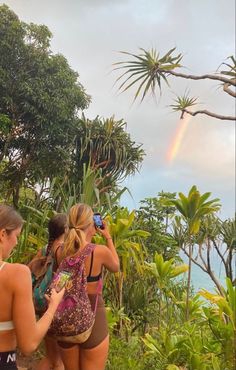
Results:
[109, 254]
[29, 332]
[110, 257]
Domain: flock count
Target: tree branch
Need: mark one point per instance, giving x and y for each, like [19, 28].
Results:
[226, 88]
[208, 255]
[207, 271]
[215, 115]
[220, 78]
[194, 261]
[221, 256]
[201, 257]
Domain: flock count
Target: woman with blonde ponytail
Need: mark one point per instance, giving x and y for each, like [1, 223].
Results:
[92, 354]
[79, 219]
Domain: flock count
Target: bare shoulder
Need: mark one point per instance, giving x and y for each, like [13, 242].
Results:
[102, 252]
[20, 268]
[108, 257]
[21, 273]
[101, 248]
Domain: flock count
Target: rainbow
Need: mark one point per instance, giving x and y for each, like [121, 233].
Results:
[178, 137]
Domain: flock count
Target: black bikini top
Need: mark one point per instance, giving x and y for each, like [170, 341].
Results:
[90, 278]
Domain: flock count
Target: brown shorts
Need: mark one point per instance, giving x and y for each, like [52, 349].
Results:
[100, 327]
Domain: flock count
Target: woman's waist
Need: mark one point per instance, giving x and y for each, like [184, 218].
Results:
[93, 297]
[7, 340]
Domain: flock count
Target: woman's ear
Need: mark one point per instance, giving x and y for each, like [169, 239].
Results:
[2, 234]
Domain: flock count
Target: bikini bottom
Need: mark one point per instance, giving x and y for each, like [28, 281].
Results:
[100, 327]
[8, 360]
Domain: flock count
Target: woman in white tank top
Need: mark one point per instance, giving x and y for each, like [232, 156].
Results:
[17, 316]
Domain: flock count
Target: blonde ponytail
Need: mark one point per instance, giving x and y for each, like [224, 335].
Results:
[80, 218]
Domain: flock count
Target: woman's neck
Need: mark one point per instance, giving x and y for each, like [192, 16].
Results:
[88, 238]
[59, 240]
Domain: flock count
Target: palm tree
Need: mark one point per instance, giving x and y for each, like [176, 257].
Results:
[148, 70]
[193, 208]
[228, 233]
[104, 144]
[210, 235]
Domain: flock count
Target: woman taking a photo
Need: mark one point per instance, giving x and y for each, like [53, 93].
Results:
[92, 354]
[18, 325]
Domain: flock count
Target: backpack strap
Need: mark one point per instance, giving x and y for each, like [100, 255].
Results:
[87, 250]
[55, 256]
[82, 255]
[98, 291]
[91, 264]
[44, 250]
[90, 278]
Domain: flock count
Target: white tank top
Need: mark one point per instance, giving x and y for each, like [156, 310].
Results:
[2, 265]
[6, 325]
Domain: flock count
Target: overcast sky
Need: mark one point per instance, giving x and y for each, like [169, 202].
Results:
[90, 34]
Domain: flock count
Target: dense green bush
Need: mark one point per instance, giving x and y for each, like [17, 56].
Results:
[128, 356]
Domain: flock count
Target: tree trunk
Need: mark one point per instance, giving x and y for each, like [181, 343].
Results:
[189, 280]
[16, 195]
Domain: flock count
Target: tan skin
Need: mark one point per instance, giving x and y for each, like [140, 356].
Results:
[17, 303]
[76, 358]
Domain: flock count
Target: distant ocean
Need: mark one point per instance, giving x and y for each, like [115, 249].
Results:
[200, 279]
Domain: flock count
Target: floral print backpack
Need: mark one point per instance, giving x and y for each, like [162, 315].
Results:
[74, 318]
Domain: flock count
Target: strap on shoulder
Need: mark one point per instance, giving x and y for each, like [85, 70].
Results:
[2, 265]
[44, 250]
[87, 250]
[91, 264]
[55, 255]
[82, 255]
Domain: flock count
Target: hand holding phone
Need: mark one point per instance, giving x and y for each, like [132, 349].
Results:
[61, 280]
[97, 218]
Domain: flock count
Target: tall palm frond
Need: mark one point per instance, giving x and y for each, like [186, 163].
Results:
[148, 69]
[232, 67]
[183, 102]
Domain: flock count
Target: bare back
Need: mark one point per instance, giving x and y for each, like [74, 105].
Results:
[7, 277]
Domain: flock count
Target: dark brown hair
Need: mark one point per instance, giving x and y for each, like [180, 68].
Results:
[56, 227]
[10, 219]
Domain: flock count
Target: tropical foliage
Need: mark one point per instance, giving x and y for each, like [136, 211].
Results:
[39, 97]
[43, 133]
[147, 300]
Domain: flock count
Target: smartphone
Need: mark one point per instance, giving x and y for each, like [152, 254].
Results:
[97, 218]
[61, 280]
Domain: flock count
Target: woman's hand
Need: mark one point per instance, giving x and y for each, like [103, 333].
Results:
[55, 298]
[105, 231]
